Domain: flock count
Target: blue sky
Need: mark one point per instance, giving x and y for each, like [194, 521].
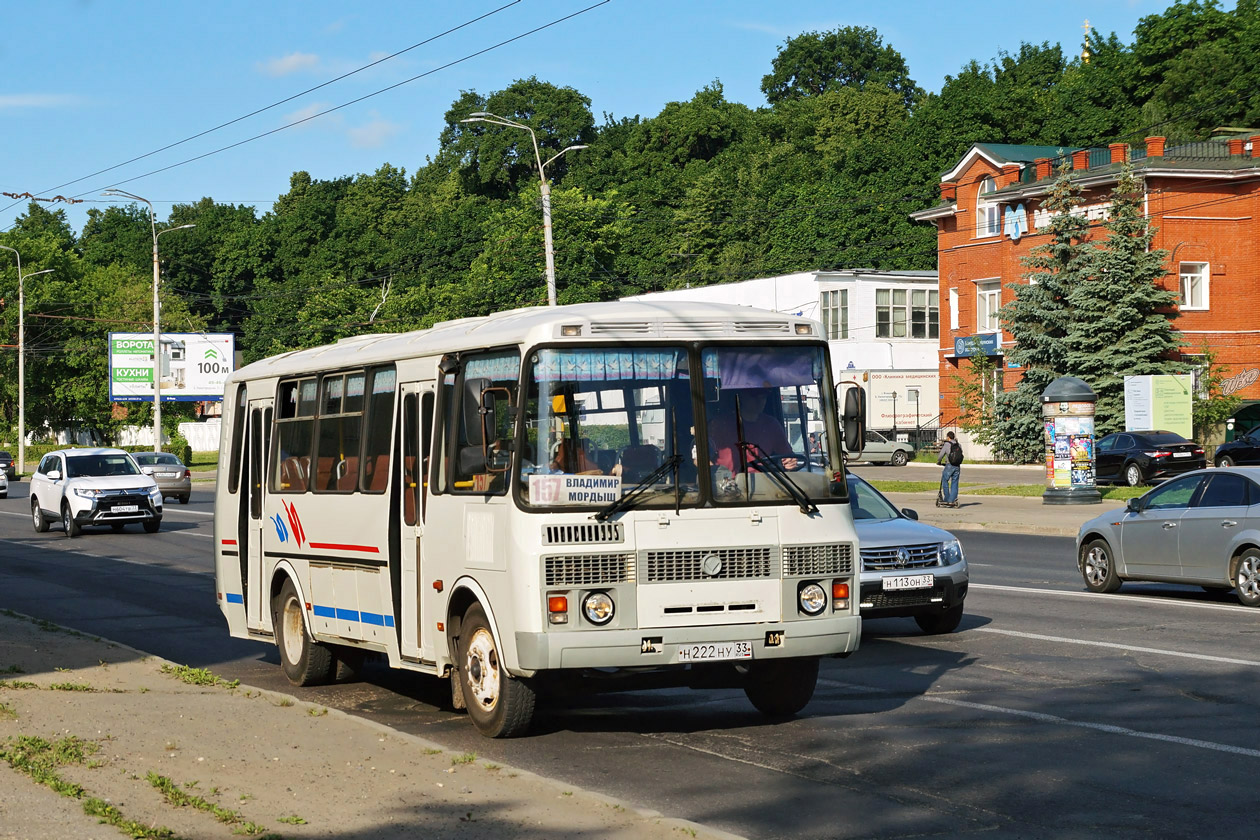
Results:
[90, 84]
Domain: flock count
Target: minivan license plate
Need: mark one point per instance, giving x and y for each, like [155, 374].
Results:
[894, 584]
[714, 651]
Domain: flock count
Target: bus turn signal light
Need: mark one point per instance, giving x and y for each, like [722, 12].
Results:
[839, 595]
[558, 609]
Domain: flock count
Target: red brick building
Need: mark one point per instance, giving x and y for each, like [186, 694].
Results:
[1203, 198]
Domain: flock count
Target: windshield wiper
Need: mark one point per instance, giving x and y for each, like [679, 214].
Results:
[767, 464]
[629, 498]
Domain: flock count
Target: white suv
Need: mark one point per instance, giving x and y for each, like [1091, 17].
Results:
[93, 487]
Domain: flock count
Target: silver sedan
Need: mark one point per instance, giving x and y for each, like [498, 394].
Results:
[172, 476]
[1202, 528]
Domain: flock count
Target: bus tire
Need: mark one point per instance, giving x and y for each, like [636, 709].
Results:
[304, 660]
[500, 705]
[780, 688]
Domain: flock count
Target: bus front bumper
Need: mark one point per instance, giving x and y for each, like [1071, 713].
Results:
[659, 647]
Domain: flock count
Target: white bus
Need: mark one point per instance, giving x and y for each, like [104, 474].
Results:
[562, 498]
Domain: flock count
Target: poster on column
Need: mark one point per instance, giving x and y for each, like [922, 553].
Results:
[193, 366]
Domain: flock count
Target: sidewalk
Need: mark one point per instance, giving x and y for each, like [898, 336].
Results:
[1003, 514]
[141, 752]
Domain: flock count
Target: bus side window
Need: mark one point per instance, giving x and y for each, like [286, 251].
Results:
[376, 440]
[426, 446]
[480, 423]
[410, 463]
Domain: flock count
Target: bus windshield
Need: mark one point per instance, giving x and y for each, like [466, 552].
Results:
[599, 422]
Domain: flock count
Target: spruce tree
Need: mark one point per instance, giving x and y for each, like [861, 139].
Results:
[1039, 319]
[1120, 325]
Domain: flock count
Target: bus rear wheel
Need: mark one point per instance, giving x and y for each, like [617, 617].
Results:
[500, 705]
[780, 688]
[304, 660]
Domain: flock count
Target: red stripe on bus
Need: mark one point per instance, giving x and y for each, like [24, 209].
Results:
[229, 542]
[370, 549]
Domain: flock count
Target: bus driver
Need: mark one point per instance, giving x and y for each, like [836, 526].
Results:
[759, 428]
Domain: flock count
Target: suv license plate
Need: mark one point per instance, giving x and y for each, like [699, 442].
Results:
[125, 509]
[714, 651]
[894, 584]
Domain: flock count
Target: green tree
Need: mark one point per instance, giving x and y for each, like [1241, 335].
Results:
[1212, 407]
[1038, 320]
[1121, 314]
[851, 56]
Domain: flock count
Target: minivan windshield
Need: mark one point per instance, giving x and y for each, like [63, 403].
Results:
[79, 466]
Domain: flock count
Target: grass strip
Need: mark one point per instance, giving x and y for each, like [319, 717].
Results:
[174, 795]
[197, 676]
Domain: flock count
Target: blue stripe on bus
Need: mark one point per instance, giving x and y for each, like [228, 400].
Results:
[353, 615]
[233, 598]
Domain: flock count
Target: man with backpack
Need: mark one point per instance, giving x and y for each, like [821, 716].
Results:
[951, 457]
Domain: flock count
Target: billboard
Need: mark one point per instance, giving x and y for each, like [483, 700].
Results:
[1159, 402]
[194, 366]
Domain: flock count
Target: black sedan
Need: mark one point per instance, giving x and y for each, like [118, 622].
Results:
[6, 465]
[1135, 458]
[1240, 450]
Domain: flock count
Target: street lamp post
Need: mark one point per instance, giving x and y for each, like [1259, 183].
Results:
[157, 317]
[494, 119]
[22, 356]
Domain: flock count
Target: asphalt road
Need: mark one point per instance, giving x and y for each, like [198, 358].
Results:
[1052, 712]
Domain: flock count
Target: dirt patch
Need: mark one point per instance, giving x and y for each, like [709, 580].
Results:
[154, 752]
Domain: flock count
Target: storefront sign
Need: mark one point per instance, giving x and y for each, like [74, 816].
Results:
[983, 344]
[1243, 380]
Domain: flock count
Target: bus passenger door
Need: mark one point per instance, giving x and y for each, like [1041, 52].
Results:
[415, 440]
[256, 603]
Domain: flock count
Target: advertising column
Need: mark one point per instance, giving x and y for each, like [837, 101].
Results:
[1067, 413]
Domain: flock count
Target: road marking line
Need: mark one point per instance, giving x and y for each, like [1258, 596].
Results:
[1042, 717]
[1145, 600]
[1136, 649]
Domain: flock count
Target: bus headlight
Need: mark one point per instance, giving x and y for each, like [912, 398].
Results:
[598, 608]
[813, 599]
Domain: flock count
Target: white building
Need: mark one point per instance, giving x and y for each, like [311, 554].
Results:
[883, 328]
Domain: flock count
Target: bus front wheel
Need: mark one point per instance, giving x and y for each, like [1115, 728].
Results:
[500, 705]
[781, 687]
[304, 660]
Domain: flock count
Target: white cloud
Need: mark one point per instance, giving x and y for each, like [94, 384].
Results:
[373, 134]
[37, 100]
[291, 63]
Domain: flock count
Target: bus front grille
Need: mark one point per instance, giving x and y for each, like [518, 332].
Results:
[689, 564]
[814, 560]
[586, 533]
[588, 569]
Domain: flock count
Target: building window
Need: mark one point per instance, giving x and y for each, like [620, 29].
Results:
[891, 313]
[953, 309]
[835, 313]
[988, 302]
[925, 316]
[1194, 285]
[988, 215]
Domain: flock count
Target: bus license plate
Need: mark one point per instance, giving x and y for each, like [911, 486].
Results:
[895, 584]
[125, 509]
[715, 651]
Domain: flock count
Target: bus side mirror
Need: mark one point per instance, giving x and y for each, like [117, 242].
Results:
[497, 459]
[474, 411]
[853, 420]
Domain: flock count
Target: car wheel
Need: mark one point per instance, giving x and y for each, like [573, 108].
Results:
[37, 517]
[500, 705]
[1247, 577]
[67, 522]
[939, 623]
[1224, 461]
[781, 687]
[303, 660]
[151, 526]
[1098, 567]
[899, 458]
[183, 500]
[1133, 475]
[117, 527]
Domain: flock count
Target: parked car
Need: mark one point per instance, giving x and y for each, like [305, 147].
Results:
[172, 476]
[909, 568]
[6, 465]
[4, 486]
[1241, 450]
[1202, 528]
[83, 487]
[880, 450]
[1136, 458]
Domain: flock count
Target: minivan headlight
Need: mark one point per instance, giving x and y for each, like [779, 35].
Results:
[951, 553]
